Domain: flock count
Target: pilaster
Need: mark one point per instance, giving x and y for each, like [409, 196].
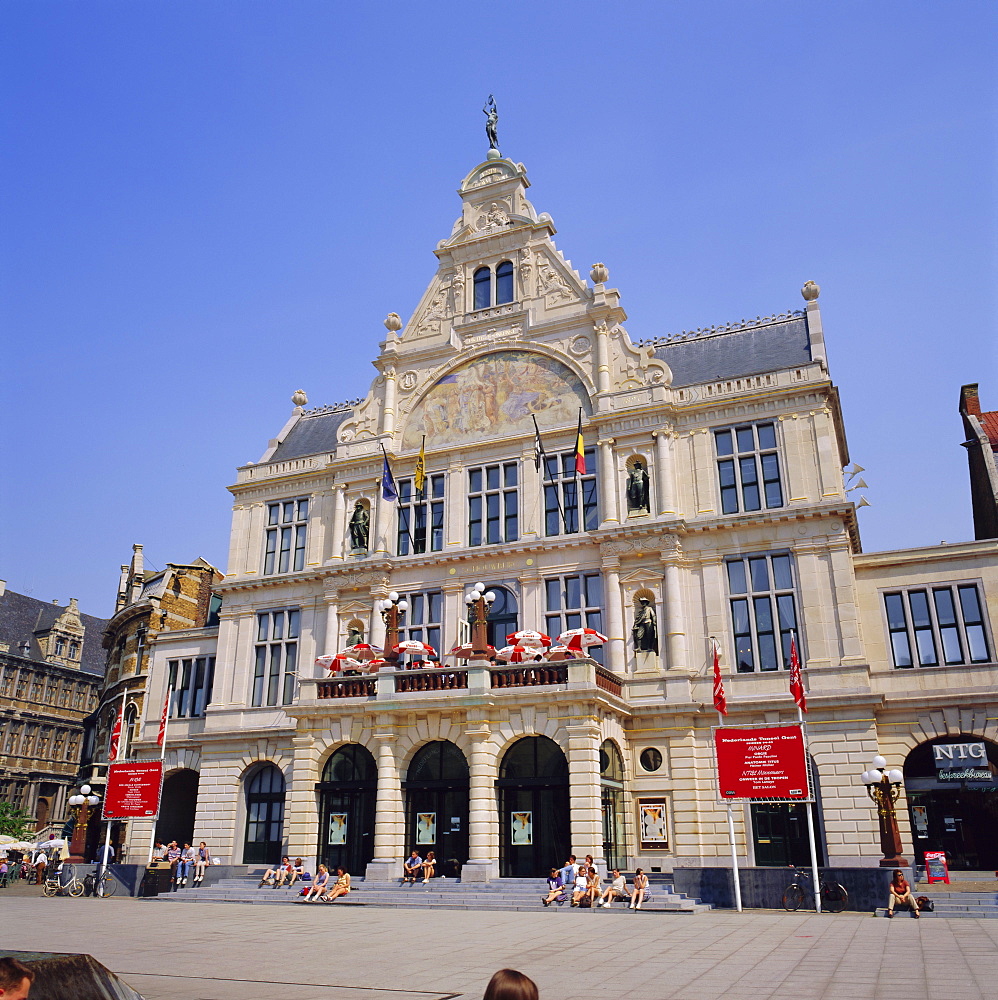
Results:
[389, 826]
[302, 814]
[585, 804]
[483, 814]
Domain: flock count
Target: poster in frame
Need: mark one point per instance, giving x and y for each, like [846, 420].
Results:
[653, 825]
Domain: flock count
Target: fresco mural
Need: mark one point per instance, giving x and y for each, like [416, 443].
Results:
[495, 396]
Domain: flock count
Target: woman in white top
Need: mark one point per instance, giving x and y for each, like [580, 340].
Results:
[640, 886]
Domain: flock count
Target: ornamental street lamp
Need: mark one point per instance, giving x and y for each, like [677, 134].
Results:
[391, 608]
[82, 802]
[479, 604]
[884, 788]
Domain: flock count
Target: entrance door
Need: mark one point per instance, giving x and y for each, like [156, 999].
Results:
[347, 797]
[533, 808]
[264, 817]
[436, 802]
[612, 796]
[780, 832]
[178, 807]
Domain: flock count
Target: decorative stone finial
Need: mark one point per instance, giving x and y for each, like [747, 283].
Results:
[810, 291]
[393, 322]
[299, 398]
[599, 274]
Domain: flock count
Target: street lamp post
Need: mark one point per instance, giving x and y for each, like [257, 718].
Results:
[884, 788]
[391, 609]
[479, 603]
[83, 801]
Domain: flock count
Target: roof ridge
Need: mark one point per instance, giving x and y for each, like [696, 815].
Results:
[714, 331]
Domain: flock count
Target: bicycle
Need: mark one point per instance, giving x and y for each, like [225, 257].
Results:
[106, 885]
[834, 897]
[55, 886]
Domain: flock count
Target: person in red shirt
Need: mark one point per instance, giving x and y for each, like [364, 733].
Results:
[901, 893]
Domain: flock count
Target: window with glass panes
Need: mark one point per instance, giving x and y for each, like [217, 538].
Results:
[191, 681]
[762, 594]
[276, 664]
[935, 626]
[493, 504]
[575, 601]
[571, 501]
[424, 619]
[748, 468]
[287, 521]
[420, 515]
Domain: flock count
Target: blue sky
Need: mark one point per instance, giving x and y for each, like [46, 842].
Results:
[208, 205]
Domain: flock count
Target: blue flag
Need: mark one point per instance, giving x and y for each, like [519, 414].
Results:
[388, 491]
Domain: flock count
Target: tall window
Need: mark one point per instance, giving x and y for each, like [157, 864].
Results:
[575, 601]
[421, 515]
[191, 681]
[504, 282]
[484, 281]
[571, 502]
[493, 504]
[275, 673]
[763, 611]
[286, 526]
[938, 625]
[483, 288]
[748, 468]
[424, 619]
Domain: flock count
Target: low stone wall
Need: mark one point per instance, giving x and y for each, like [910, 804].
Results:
[763, 888]
[130, 876]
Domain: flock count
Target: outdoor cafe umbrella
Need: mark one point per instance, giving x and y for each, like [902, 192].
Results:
[414, 646]
[362, 651]
[579, 638]
[516, 654]
[527, 637]
[466, 650]
[563, 653]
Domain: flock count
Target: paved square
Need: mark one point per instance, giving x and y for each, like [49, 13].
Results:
[215, 951]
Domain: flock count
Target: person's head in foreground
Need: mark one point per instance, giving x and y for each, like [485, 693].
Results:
[15, 979]
[508, 984]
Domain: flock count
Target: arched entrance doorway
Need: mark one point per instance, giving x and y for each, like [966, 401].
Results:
[534, 827]
[504, 616]
[264, 816]
[178, 805]
[950, 785]
[611, 781]
[347, 795]
[436, 804]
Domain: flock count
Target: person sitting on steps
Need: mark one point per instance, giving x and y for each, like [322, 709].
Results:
[413, 866]
[428, 865]
[272, 874]
[900, 892]
[617, 889]
[640, 887]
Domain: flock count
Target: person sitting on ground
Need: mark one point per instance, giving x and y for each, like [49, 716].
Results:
[900, 892]
[292, 876]
[555, 888]
[640, 884]
[617, 889]
[429, 863]
[508, 984]
[340, 888]
[271, 875]
[318, 887]
[413, 866]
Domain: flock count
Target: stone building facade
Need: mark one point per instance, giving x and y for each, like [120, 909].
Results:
[705, 502]
[51, 665]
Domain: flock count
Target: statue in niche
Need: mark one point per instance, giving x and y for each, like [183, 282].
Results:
[637, 489]
[491, 113]
[645, 627]
[354, 635]
[360, 527]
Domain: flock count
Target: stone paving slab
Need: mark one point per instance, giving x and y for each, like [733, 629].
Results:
[228, 951]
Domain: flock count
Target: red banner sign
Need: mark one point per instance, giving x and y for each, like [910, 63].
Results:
[133, 790]
[765, 763]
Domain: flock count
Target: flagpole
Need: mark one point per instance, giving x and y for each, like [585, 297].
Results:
[795, 668]
[736, 879]
[398, 502]
[542, 464]
[162, 758]
[98, 887]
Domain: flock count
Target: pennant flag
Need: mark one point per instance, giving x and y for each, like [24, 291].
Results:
[538, 447]
[419, 477]
[112, 753]
[720, 702]
[388, 491]
[161, 738]
[796, 683]
[580, 450]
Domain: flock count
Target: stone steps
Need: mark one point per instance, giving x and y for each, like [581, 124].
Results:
[953, 904]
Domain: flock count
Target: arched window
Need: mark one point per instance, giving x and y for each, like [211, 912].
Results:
[264, 816]
[483, 288]
[127, 733]
[504, 282]
[612, 801]
[347, 795]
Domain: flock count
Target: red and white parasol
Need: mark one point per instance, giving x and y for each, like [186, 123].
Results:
[334, 664]
[564, 653]
[414, 646]
[362, 651]
[581, 638]
[516, 654]
[525, 637]
[465, 651]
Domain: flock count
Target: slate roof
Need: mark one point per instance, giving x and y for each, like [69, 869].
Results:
[989, 421]
[312, 434]
[22, 616]
[707, 356]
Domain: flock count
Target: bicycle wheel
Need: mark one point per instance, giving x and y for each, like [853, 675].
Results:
[793, 897]
[834, 897]
[75, 887]
[108, 885]
[50, 889]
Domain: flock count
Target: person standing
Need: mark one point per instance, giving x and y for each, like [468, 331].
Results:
[39, 862]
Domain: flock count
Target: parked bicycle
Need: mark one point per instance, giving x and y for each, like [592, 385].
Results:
[63, 882]
[106, 885]
[834, 897]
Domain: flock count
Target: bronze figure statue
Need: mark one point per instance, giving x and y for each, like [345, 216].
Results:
[645, 628]
[491, 113]
[637, 488]
[360, 527]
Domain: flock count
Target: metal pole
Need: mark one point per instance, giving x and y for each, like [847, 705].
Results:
[734, 859]
[810, 822]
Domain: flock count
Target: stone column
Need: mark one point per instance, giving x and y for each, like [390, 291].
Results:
[483, 813]
[602, 357]
[585, 805]
[302, 813]
[674, 632]
[337, 541]
[616, 648]
[664, 487]
[331, 632]
[608, 483]
[389, 822]
[388, 412]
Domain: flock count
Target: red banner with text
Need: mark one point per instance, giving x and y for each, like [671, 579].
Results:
[768, 762]
[133, 790]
